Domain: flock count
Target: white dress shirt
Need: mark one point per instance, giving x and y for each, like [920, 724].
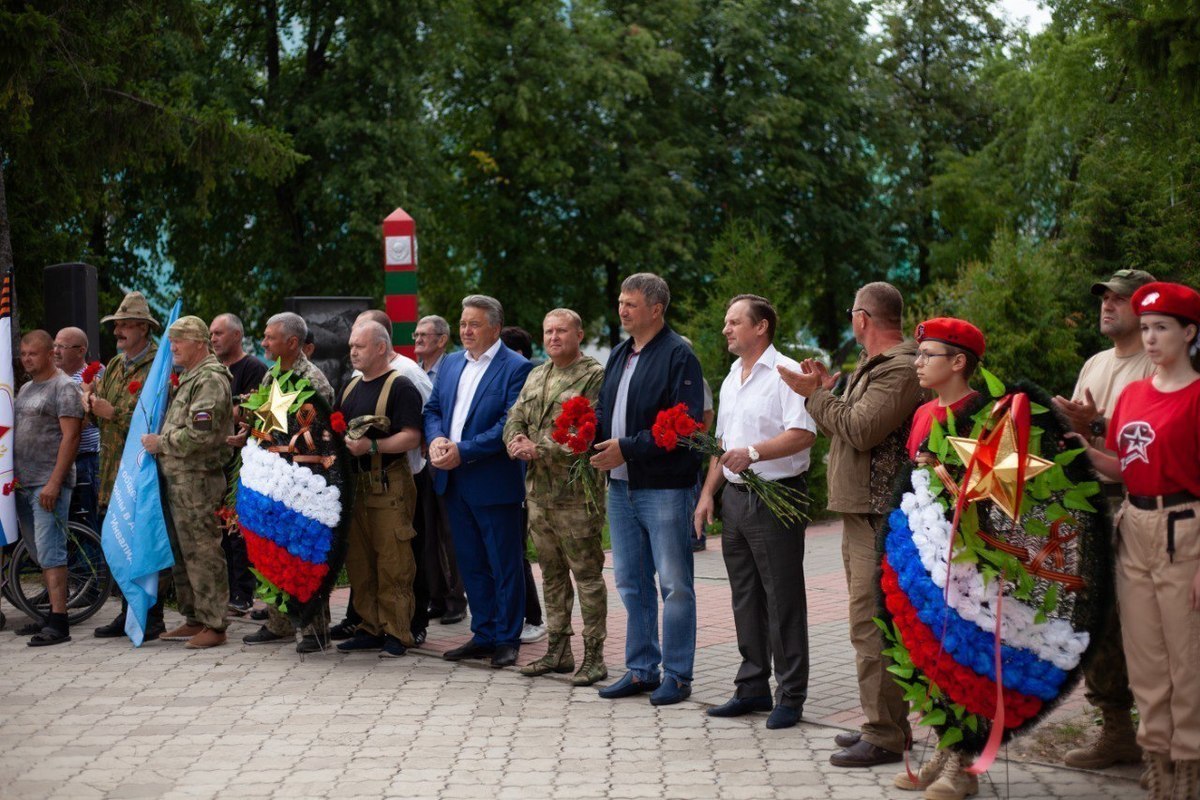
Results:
[759, 409]
[468, 382]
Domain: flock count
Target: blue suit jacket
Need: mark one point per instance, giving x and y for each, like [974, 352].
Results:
[487, 476]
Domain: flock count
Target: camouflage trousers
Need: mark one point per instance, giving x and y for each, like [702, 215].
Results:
[567, 539]
[201, 579]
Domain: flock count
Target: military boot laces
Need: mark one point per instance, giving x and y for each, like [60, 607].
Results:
[927, 774]
[1117, 744]
[953, 783]
[558, 658]
[1160, 778]
[592, 669]
[1187, 780]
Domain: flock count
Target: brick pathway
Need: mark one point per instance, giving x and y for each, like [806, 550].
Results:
[98, 719]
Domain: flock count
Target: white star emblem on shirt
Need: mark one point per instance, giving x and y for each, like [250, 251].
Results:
[1134, 440]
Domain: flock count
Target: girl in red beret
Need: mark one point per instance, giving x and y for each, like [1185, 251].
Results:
[1154, 437]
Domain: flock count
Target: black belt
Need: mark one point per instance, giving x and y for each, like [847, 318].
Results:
[1150, 502]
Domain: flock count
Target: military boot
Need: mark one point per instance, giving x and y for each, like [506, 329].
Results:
[1117, 744]
[953, 782]
[558, 657]
[1161, 777]
[1187, 780]
[926, 775]
[592, 669]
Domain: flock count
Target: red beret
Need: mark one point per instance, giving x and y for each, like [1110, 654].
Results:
[956, 332]
[1167, 298]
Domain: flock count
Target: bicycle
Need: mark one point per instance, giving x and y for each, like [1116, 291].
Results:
[89, 582]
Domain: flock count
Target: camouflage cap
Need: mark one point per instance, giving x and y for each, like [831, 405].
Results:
[1123, 282]
[133, 307]
[189, 328]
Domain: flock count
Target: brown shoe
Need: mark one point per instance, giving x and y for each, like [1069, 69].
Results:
[206, 638]
[864, 754]
[847, 739]
[184, 632]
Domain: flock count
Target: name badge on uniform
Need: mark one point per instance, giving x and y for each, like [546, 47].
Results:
[202, 421]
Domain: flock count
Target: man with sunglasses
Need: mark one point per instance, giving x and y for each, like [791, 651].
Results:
[1100, 383]
[867, 427]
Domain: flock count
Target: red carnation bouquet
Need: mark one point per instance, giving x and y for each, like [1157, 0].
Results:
[575, 429]
[337, 421]
[91, 371]
[674, 425]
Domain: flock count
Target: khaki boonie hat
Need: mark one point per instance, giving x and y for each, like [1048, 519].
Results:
[133, 307]
[189, 328]
[1123, 282]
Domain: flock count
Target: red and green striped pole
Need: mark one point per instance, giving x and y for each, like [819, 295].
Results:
[400, 278]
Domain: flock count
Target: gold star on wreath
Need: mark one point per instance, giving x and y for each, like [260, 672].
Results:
[996, 463]
[274, 411]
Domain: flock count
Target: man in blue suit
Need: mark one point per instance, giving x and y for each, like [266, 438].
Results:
[483, 487]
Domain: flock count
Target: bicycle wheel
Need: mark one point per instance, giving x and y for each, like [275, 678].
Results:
[88, 579]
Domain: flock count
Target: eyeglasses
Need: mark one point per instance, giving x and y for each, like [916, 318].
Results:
[68, 346]
[923, 358]
[850, 312]
[419, 336]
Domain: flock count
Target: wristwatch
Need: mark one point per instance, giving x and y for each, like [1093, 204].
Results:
[1098, 426]
[753, 454]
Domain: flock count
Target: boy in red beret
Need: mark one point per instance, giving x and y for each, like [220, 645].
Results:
[948, 353]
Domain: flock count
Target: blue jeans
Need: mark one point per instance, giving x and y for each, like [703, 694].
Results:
[651, 533]
[44, 532]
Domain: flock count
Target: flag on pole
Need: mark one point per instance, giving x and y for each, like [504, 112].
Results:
[135, 530]
[8, 479]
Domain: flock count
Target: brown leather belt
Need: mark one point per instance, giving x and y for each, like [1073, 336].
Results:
[1149, 502]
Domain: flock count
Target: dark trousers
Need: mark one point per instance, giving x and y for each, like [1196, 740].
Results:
[765, 561]
[84, 498]
[443, 583]
[242, 582]
[533, 607]
[420, 618]
[487, 542]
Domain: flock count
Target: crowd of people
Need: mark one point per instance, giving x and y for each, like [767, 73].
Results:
[466, 468]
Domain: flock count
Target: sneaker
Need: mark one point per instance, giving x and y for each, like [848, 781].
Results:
[343, 630]
[239, 608]
[532, 633]
[264, 635]
[361, 641]
[392, 647]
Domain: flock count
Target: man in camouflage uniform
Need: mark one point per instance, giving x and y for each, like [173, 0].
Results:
[191, 453]
[283, 339]
[565, 533]
[110, 402]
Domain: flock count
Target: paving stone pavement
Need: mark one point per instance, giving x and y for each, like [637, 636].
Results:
[98, 719]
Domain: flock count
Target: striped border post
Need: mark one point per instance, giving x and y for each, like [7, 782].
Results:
[400, 278]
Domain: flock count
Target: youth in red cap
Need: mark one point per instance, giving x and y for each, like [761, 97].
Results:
[951, 331]
[948, 352]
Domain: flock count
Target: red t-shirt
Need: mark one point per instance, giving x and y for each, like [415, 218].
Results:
[923, 417]
[1156, 436]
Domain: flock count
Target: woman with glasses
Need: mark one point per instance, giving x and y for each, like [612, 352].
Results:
[1154, 439]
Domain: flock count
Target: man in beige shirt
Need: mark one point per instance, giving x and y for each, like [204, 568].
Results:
[1100, 383]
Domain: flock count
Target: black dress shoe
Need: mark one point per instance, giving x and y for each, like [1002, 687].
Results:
[505, 656]
[471, 649]
[154, 629]
[737, 706]
[453, 617]
[864, 754]
[847, 739]
[110, 631]
[783, 717]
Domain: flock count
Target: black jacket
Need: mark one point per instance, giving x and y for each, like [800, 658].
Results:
[667, 373]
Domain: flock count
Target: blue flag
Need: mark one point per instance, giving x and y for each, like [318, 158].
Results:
[135, 531]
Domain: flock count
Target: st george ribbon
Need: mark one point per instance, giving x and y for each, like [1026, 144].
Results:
[134, 538]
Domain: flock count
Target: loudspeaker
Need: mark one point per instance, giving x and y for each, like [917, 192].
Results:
[330, 320]
[69, 294]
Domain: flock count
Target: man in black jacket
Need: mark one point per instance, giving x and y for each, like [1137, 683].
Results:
[650, 499]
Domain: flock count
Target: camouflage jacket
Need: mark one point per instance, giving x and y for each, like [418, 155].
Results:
[303, 368]
[113, 386]
[198, 420]
[538, 405]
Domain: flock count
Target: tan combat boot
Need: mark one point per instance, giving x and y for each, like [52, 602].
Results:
[1160, 776]
[1187, 780]
[926, 775]
[558, 658]
[954, 782]
[1117, 744]
[592, 669]
[205, 639]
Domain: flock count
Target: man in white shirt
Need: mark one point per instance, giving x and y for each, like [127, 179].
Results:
[764, 427]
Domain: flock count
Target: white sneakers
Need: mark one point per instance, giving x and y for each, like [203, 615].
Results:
[532, 633]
